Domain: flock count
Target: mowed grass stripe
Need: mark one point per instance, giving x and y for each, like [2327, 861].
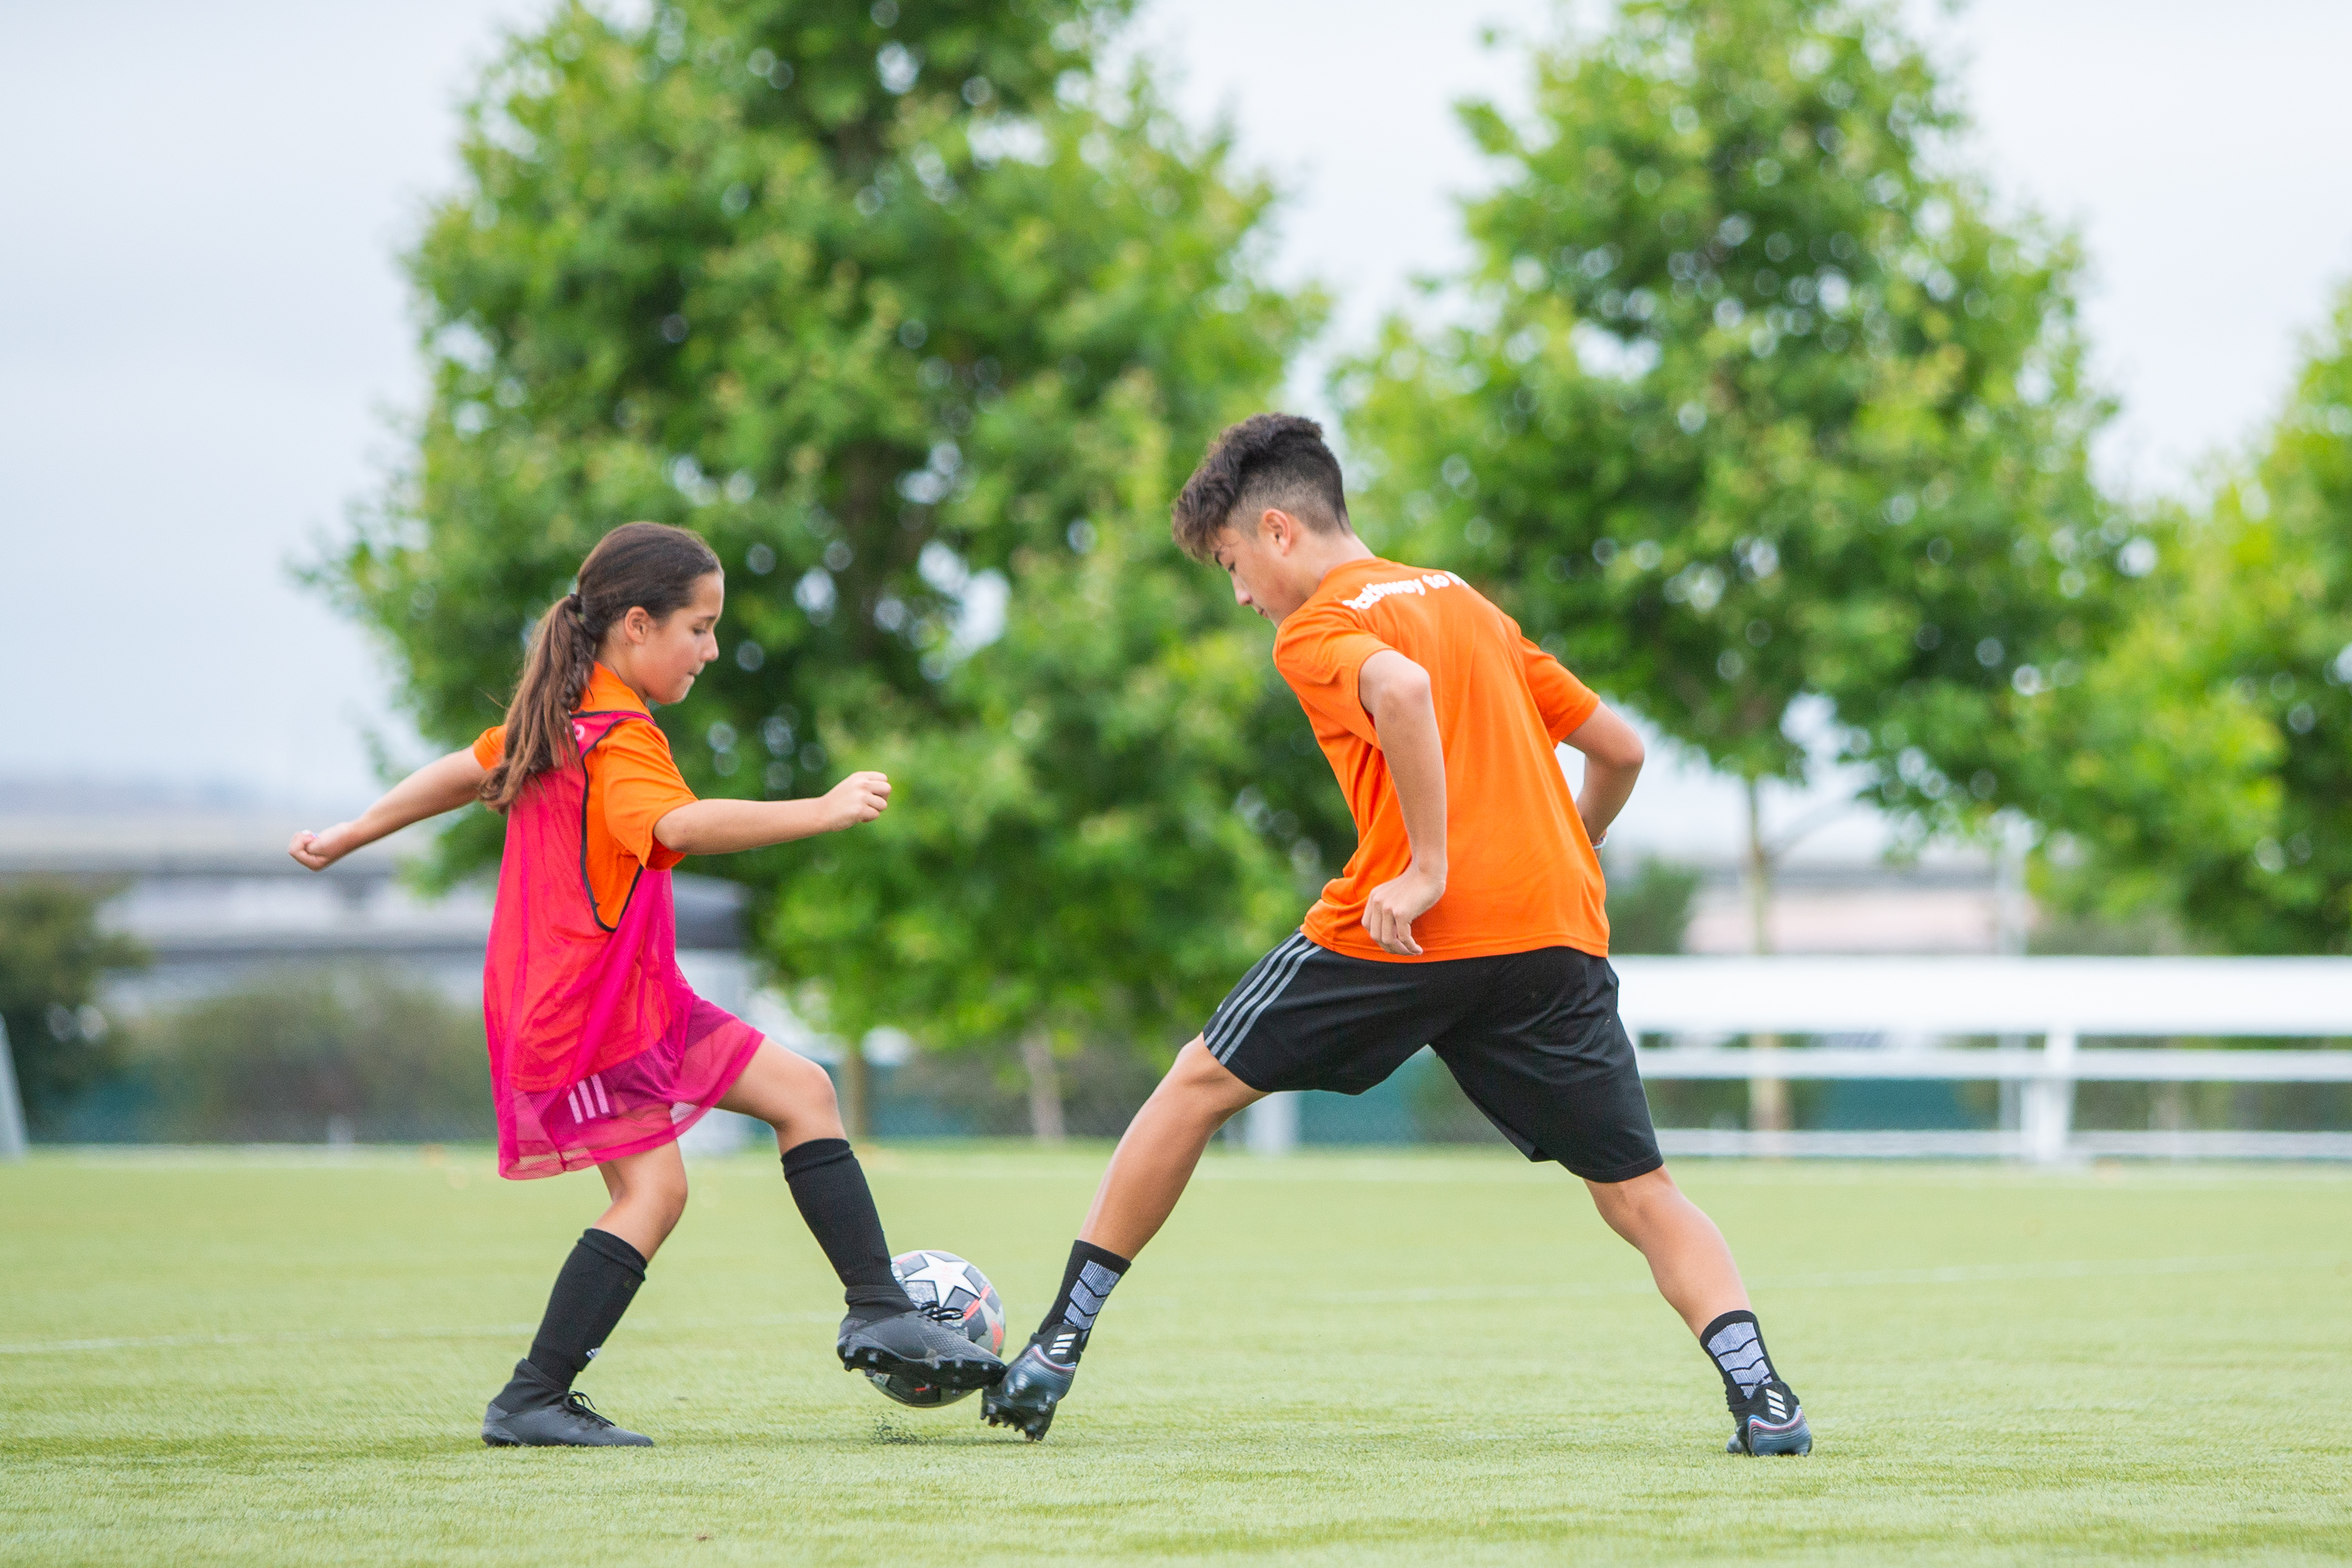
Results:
[1438, 1356]
[2081, 1268]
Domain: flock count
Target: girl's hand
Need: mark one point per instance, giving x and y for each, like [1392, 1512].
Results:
[319, 850]
[860, 798]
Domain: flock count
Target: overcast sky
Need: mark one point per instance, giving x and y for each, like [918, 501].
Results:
[203, 334]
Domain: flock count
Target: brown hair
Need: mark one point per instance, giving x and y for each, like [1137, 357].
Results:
[1268, 459]
[637, 565]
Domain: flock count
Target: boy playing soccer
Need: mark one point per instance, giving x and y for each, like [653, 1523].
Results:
[1469, 919]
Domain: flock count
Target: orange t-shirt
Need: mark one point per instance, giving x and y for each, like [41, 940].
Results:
[1520, 872]
[632, 783]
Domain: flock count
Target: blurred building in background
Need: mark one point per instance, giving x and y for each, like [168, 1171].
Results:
[1948, 901]
[237, 935]
[208, 889]
[201, 882]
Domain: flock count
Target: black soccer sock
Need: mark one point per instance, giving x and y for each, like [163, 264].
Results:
[829, 1185]
[1735, 1342]
[592, 1289]
[1086, 1283]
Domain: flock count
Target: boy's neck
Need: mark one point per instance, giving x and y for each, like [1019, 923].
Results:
[1318, 556]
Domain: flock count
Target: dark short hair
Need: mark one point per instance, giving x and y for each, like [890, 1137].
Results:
[1266, 460]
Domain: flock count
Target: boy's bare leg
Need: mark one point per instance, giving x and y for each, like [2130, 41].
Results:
[1148, 1173]
[1695, 1272]
[1687, 1255]
[1155, 1156]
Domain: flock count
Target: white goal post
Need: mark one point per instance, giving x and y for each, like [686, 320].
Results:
[1911, 1003]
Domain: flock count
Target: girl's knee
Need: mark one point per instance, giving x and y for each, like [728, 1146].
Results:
[814, 1086]
[666, 1195]
[809, 1093]
[668, 1205]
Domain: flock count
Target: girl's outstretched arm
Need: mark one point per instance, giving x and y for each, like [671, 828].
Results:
[722, 827]
[439, 786]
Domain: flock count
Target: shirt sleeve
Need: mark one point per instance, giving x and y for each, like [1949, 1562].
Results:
[635, 784]
[490, 745]
[1320, 652]
[1564, 701]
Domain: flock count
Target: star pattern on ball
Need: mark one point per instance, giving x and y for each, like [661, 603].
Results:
[944, 1273]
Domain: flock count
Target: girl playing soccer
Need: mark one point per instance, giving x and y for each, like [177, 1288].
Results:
[599, 1054]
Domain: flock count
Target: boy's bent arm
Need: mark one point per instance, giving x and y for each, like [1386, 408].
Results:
[1395, 691]
[723, 826]
[442, 785]
[1613, 760]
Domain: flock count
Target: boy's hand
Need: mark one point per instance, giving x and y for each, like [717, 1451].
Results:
[1390, 911]
[319, 851]
[860, 798]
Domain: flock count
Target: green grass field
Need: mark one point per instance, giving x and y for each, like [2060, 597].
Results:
[1418, 1357]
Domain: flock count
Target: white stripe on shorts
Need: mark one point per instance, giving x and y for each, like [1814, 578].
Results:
[1260, 975]
[1251, 1010]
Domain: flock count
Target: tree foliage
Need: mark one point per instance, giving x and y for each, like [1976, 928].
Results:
[1754, 400]
[1068, 854]
[2203, 771]
[52, 955]
[901, 309]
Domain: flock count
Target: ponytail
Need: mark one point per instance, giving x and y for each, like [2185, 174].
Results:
[637, 565]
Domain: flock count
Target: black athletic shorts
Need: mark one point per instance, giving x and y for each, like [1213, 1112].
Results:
[1532, 1038]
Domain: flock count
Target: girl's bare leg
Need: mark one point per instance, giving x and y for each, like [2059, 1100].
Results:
[648, 1195]
[790, 1092]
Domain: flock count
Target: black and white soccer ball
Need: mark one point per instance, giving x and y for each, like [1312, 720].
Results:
[945, 1280]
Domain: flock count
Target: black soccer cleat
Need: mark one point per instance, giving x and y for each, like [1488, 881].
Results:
[1769, 1422]
[570, 1422]
[1038, 1379]
[924, 1345]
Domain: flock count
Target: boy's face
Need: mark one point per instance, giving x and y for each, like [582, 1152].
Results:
[1268, 567]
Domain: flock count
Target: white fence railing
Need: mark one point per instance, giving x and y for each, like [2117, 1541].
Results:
[2042, 1007]
[1911, 1003]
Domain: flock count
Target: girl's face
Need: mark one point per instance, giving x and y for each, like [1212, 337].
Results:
[659, 659]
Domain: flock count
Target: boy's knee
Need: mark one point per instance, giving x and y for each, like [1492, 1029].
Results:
[1628, 1205]
[1200, 1082]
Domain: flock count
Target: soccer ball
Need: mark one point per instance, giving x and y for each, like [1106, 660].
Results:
[943, 1278]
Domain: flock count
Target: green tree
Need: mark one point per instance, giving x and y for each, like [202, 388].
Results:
[2203, 770]
[1068, 861]
[1752, 404]
[848, 290]
[52, 955]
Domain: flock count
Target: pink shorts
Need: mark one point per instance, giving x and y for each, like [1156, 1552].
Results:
[637, 1103]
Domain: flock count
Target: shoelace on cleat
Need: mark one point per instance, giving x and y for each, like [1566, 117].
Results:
[939, 1313]
[577, 1403]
